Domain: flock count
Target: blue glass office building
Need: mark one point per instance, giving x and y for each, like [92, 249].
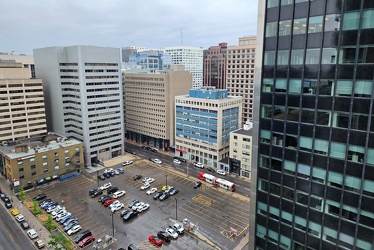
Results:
[313, 180]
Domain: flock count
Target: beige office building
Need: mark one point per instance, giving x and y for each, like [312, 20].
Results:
[22, 112]
[150, 105]
[240, 73]
[240, 151]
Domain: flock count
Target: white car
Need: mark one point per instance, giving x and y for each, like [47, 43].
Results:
[142, 208]
[145, 186]
[169, 189]
[127, 163]
[172, 232]
[150, 180]
[116, 207]
[108, 170]
[53, 209]
[119, 194]
[198, 164]
[137, 205]
[32, 233]
[221, 172]
[74, 229]
[177, 161]
[157, 161]
[55, 214]
[106, 186]
[114, 203]
[20, 217]
[151, 191]
[60, 216]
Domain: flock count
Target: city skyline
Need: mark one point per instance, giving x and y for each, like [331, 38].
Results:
[31, 25]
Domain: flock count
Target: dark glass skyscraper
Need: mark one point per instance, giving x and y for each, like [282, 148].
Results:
[313, 169]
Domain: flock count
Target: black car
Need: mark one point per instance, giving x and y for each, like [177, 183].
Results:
[106, 175]
[129, 216]
[101, 177]
[150, 159]
[6, 199]
[182, 160]
[210, 169]
[97, 193]
[8, 205]
[2, 196]
[112, 190]
[137, 177]
[82, 235]
[133, 203]
[25, 224]
[197, 184]
[164, 236]
[39, 197]
[173, 191]
[153, 150]
[103, 197]
[90, 192]
[128, 150]
[157, 195]
[143, 147]
[164, 196]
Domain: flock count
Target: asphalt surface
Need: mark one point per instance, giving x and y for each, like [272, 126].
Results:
[11, 235]
[213, 210]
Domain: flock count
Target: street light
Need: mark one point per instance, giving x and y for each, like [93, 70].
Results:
[166, 177]
[111, 214]
[176, 209]
[187, 168]
[97, 175]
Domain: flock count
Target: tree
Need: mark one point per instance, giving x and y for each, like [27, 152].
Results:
[35, 208]
[22, 195]
[49, 225]
[57, 240]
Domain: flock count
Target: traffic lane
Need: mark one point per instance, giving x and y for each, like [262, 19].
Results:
[11, 234]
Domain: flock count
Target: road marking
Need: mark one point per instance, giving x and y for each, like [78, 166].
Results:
[247, 188]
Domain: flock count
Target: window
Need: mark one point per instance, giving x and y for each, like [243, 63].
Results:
[315, 24]
[282, 58]
[329, 56]
[297, 56]
[368, 19]
[351, 20]
[272, 3]
[312, 56]
[299, 26]
[269, 58]
[285, 28]
[44, 156]
[271, 29]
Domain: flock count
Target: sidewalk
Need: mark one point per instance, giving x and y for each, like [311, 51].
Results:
[43, 233]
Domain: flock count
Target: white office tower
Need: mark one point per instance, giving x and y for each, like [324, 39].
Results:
[84, 97]
[191, 58]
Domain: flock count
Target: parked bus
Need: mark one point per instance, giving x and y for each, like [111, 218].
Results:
[218, 182]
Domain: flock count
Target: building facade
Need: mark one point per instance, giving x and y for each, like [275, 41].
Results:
[241, 151]
[192, 59]
[40, 160]
[240, 73]
[314, 179]
[152, 60]
[204, 120]
[214, 73]
[21, 103]
[84, 97]
[150, 105]
[129, 51]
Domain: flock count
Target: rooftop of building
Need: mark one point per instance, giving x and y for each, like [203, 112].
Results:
[246, 130]
[50, 141]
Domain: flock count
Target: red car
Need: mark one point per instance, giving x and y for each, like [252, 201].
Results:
[108, 202]
[155, 240]
[86, 241]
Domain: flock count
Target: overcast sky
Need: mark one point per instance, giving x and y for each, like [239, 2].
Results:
[29, 24]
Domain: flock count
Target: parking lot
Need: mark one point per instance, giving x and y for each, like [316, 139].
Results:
[213, 210]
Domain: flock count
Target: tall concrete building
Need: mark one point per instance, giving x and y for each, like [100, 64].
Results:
[129, 51]
[84, 97]
[27, 61]
[214, 73]
[192, 58]
[21, 103]
[241, 73]
[150, 105]
[150, 61]
[204, 120]
[313, 186]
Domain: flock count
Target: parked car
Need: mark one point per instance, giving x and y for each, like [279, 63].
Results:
[39, 197]
[44, 202]
[32, 233]
[8, 204]
[112, 190]
[67, 222]
[130, 151]
[164, 188]
[198, 164]
[137, 177]
[120, 170]
[173, 234]
[157, 161]
[142, 208]
[117, 207]
[53, 203]
[164, 196]
[86, 241]
[91, 191]
[210, 169]
[145, 186]
[155, 240]
[25, 225]
[123, 212]
[62, 221]
[103, 198]
[106, 186]
[63, 215]
[182, 160]
[39, 244]
[108, 202]
[107, 175]
[127, 163]
[173, 191]
[197, 184]
[177, 161]
[137, 205]
[14, 211]
[150, 180]
[74, 229]
[82, 235]
[101, 177]
[152, 190]
[164, 236]
[119, 194]
[221, 172]
[157, 195]
[129, 215]
[20, 217]
[176, 227]
[132, 203]
[97, 193]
